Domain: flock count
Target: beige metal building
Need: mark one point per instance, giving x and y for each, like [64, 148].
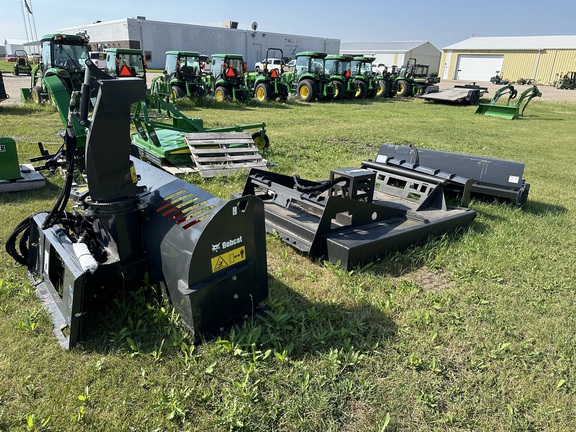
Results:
[540, 58]
[396, 52]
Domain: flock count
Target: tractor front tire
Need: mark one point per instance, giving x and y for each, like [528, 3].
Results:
[261, 140]
[360, 90]
[338, 90]
[222, 94]
[262, 92]
[177, 92]
[307, 90]
[402, 88]
[382, 89]
[37, 94]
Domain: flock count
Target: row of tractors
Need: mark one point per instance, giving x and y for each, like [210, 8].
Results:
[315, 75]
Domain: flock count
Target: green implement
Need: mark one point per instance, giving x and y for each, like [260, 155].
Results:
[180, 144]
[507, 111]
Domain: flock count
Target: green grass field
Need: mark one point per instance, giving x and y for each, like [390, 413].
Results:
[471, 331]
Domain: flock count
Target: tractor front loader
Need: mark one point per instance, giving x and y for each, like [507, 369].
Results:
[132, 219]
[507, 111]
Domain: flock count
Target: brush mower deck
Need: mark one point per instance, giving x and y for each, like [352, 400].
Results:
[358, 215]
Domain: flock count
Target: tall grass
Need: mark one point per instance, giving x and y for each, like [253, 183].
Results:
[471, 331]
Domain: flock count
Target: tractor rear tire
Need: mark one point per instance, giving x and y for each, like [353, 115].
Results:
[307, 90]
[360, 90]
[37, 94]
[338, 90]
[262, 92]
[261, 141]
[222, 94]
[177, 92]
[402, 88]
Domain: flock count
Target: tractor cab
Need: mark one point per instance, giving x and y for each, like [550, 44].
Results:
[309, 80]
[367, 84]
[339, 70]
[60, 69]
[125, 63]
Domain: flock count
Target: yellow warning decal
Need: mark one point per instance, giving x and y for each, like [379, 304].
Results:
[229, 258]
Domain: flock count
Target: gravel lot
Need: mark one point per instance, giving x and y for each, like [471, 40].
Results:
[14, 83]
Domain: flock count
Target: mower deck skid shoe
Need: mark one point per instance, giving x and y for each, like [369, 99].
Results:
[351, 219]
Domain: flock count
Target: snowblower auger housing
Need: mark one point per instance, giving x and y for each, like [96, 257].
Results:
[132, 219]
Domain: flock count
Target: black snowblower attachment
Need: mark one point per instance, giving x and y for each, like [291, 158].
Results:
[132, 219]
[358, 215]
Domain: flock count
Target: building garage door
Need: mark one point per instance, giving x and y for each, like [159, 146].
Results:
[477, 67]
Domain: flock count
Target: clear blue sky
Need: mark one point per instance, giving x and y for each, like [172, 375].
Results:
[440, 22]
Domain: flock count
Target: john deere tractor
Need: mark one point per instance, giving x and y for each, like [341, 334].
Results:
[23, 64]
[125, 63]
[309, 80]
[266, 83]
[413, 79]
[366, 82]
[226, 79]
[182, 77]
[338, 70]
[60, 70]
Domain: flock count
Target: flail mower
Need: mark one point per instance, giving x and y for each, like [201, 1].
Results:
[133, 219]
[180, 144]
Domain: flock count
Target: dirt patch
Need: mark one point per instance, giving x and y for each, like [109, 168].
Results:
[428, 280]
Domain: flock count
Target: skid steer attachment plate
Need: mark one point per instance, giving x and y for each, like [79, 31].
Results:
[348, 219]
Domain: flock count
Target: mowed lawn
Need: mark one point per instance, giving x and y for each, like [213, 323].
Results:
[471, 331]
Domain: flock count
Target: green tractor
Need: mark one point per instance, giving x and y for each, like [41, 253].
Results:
[567, 81]
[23, 64]
[413, 79]
[60, 71]
[386, 77]
[125, 63]
[182, 77]
[366, 82]
[338, 68]
[267, 83]
[226, 79]
[309, 81]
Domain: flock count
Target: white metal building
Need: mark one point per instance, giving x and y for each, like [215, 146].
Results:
[157, 37]
[396, 53]
[14, 44]
[539, 58]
